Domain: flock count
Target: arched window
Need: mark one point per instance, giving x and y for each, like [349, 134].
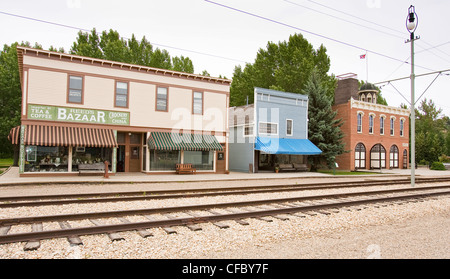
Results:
[382, 125]
[360, 156]
[377, 157]
[393, 156]
[371, 124]
[359, 123]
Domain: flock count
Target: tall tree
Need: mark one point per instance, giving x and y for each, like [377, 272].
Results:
[10, 96]
[285, 66]
[323, 127]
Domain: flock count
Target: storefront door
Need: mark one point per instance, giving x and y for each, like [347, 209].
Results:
[129, 153]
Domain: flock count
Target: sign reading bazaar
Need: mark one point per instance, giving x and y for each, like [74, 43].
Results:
[79, 115]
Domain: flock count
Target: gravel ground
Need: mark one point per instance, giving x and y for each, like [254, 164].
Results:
[412, 230]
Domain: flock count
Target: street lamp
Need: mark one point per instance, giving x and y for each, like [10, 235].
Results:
[411, 24]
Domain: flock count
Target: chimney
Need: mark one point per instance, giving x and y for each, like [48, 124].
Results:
[347, 87]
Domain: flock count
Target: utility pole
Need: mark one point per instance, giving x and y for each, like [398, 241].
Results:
[411, 25]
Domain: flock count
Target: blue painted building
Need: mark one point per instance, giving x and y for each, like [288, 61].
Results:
[272, 131]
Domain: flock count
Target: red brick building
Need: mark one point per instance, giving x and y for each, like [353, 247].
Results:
[376, 136]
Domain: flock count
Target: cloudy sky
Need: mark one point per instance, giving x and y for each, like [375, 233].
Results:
[219, 34]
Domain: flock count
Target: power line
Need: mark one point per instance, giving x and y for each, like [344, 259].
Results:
[156, 44]
[312, 33]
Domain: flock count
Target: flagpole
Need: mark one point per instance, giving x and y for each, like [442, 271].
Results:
[367, 67]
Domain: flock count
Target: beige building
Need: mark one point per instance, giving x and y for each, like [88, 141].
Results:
[79, 111]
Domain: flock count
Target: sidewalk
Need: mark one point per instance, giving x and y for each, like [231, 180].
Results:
[11, 177]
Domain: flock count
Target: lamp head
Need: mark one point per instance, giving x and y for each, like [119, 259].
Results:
[411, 20]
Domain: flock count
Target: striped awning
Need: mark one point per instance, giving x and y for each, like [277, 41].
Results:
[69, 136]
[14, 135]
[188, 142]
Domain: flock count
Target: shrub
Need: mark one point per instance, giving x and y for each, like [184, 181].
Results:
[437, 166]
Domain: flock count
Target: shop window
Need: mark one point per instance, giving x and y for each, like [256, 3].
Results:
[75, 90]
[90, 155]
[121, 94]
[164, 159]
[161, 99]
[201, 160]
[198, 103]
[46, 158]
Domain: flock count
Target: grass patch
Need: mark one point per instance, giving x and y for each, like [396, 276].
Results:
[5, 163]
[338, 172]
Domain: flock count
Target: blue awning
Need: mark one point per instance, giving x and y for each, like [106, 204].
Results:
[286, 146]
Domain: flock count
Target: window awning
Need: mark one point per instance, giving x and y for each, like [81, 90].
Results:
[69, 136]
[286, 146]
[14, 135]
[188, 142]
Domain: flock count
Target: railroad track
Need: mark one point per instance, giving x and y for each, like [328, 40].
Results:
[42, 200]
[191, 215]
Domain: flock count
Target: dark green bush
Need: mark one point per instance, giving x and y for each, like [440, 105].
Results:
[437, 166]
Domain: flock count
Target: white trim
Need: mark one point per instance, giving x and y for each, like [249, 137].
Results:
[292, 127]
[270, 134]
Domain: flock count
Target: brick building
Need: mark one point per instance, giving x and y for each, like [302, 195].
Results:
[376, 136]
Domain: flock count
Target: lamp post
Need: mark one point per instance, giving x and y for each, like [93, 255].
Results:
[411, 24]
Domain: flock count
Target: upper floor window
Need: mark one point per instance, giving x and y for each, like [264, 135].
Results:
[402, 124]
[289, 128]
[121, 94]
[382, 125]
[392, 126]
[248, 129]
[370, 124]
[161, 99]
[75, 90]
[197, 103]
[359, 123]
[268, 128]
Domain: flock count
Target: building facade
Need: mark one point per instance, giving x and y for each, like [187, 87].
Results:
[271, 131]
[79, 110]
[376, 136]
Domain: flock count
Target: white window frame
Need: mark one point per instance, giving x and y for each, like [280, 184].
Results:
[292, 127]
[359, 122]
[265, 133]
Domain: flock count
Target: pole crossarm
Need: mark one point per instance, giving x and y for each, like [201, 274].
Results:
[425, 74]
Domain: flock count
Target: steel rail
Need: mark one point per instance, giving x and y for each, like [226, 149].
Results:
[118, 213]
[9, 202]
[20, 237]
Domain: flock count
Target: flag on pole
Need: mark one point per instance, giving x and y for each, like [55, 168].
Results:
[362, 56]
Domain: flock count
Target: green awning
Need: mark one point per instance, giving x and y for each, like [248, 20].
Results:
[188, 142]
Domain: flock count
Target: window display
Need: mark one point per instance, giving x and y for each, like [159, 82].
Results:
[90, 155]
[46, 158]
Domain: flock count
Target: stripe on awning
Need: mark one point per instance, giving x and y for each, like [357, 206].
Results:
[69, 136]
[14, 135]
[188, 142]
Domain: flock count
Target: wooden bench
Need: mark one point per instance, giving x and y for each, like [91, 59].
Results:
[286, 167]
[185, 169]
[301, 167]
[293, 167]
[91, 169]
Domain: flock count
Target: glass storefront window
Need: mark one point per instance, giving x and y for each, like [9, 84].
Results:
[46, 158]
[90, 155]
[201, 160]
[164, 159]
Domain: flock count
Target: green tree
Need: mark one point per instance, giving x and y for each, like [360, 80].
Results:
[323, 127]
[285, 66]
[182, 64]
[430, 132]
[10, 96]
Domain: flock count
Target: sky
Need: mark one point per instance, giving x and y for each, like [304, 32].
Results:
[218, 35]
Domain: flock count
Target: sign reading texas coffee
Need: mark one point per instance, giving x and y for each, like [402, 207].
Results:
[79, 115]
